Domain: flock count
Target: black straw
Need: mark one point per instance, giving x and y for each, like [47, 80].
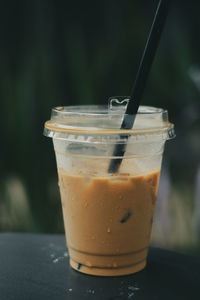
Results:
[140, 81]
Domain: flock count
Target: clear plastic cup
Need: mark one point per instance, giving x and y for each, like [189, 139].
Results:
[108, 217]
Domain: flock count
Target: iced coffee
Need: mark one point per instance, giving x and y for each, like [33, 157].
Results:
[108, 216]
[108, 221]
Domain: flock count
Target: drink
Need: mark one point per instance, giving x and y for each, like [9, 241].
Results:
[107, 217]
[109, 221]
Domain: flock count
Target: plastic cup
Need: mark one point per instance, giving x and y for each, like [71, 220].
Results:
[108, 217]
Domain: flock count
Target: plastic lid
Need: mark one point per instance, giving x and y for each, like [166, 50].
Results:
[100, 120]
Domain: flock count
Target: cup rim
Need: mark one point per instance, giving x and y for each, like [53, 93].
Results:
[56, 127]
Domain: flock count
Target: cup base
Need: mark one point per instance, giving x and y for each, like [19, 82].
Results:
[108, 271]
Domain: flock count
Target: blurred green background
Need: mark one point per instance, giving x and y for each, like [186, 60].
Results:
[82, 52]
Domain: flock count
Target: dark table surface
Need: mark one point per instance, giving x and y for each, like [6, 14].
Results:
[36, 267]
